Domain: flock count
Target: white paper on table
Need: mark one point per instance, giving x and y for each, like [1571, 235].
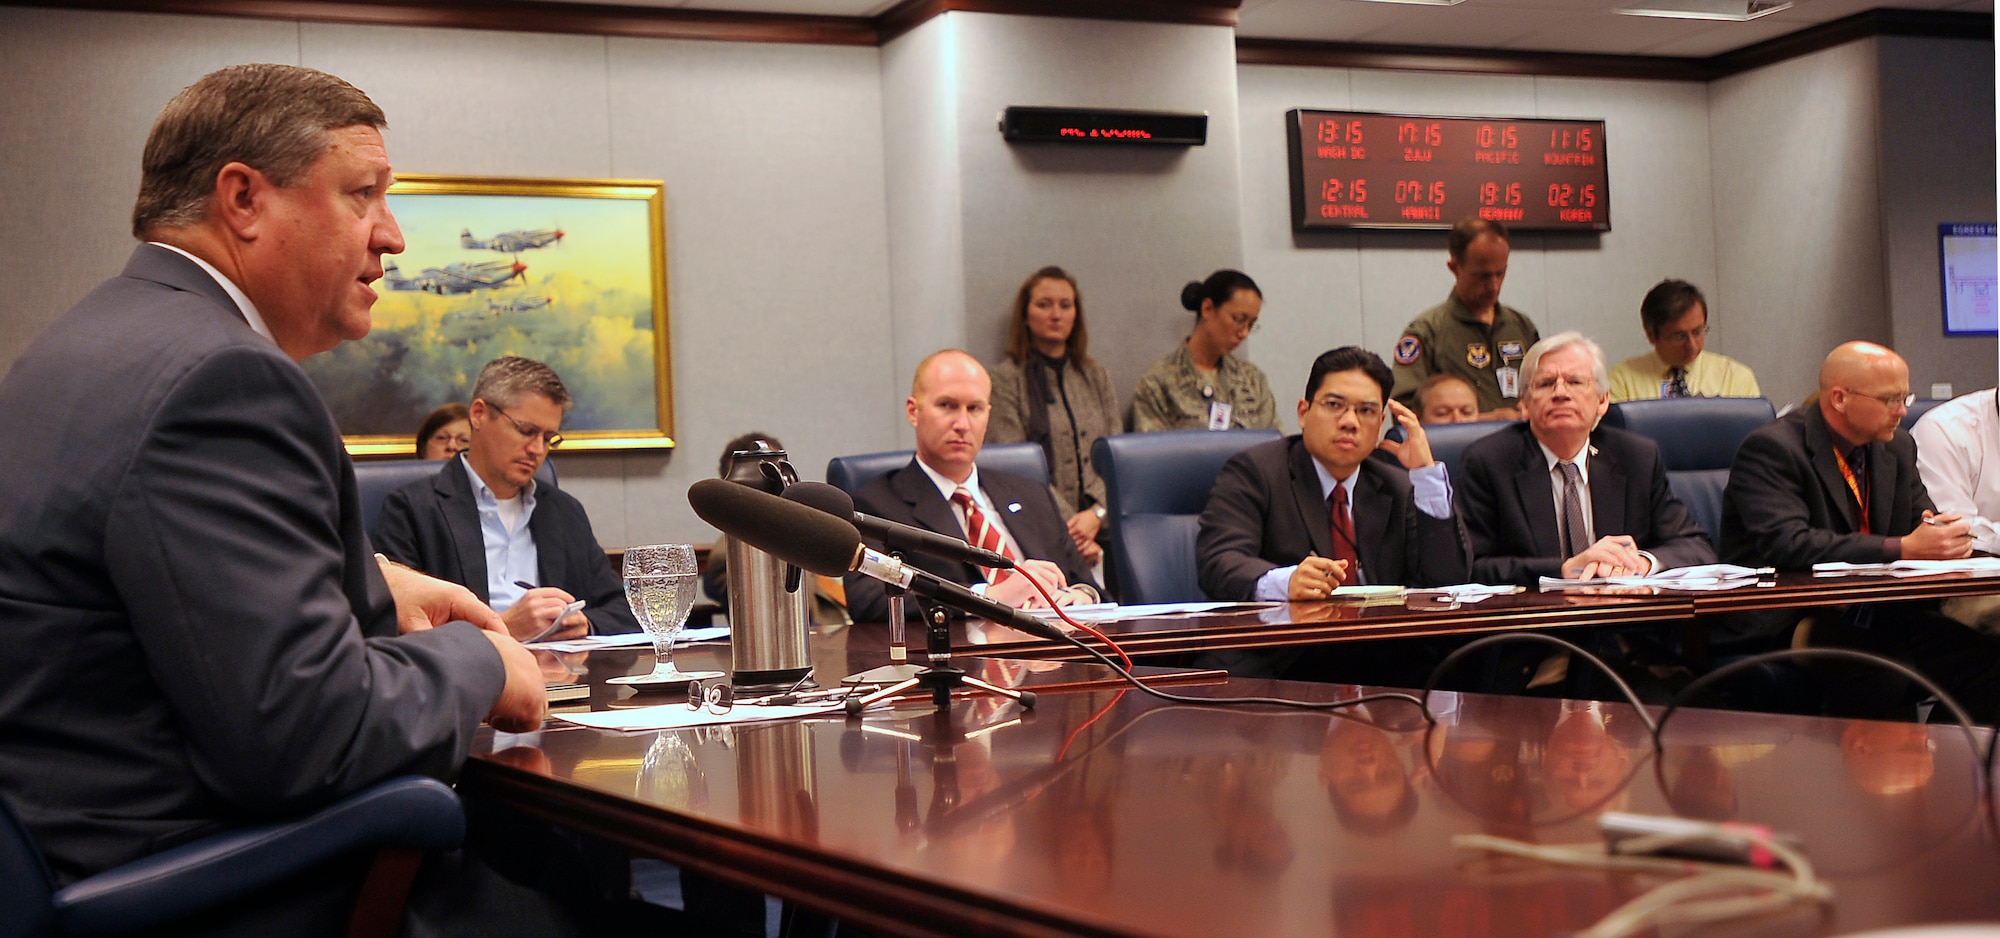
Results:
[1112, 612]
[1909, 567]
[676, 716]
[1701, 577]
[631, 640]
[1468, 592]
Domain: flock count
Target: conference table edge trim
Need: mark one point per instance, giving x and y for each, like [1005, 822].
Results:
[889, 901]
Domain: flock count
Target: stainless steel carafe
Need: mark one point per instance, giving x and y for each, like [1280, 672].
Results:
[770, 602]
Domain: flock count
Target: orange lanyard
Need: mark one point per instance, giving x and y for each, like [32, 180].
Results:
[1853, 486]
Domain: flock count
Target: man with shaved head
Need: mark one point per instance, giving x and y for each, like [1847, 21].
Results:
[943, 490]
[1837, 481]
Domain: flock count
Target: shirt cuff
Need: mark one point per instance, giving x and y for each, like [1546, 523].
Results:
[1652, 562]
[1432, 490]
[1275, 586]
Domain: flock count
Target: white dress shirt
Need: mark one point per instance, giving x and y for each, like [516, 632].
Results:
[1958, 455]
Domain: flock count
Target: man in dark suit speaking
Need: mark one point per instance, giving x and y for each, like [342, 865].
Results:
[196, 635]
[1292, 519]
[1559, 495]
[483, 520]
[942, 490]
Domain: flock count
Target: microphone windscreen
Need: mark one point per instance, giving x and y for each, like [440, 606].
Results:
[822, 496]
[800, 536]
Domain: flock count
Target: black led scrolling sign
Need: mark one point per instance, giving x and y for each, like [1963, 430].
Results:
[1080, 125]
[1354, 169]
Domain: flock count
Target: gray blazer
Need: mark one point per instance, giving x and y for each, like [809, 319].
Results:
[193, 631]
[1085, 408]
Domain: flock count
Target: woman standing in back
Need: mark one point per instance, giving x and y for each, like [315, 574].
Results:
[1049, 392]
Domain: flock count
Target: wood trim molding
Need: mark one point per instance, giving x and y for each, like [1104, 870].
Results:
[1879, 22]
[517, 16]
[603, 19]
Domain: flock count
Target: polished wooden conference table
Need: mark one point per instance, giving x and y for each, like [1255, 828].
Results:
[1106, 812]
[1266, 625]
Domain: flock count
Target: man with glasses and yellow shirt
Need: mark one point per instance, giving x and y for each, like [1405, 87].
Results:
[1675, 317]
[484, 522]
[1837, 480]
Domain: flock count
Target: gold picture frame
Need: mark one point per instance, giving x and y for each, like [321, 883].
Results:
[570, 272]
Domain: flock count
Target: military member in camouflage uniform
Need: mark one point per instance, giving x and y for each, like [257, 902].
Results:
[1470, 334]
[1200, 384]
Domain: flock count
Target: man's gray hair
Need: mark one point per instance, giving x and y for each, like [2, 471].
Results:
[276, 119]
[1563, 340]
[503, 381]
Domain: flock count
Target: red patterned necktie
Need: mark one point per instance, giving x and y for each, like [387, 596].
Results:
[981, 534]
[1343, 534]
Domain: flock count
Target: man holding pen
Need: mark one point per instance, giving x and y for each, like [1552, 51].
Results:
[485, 522]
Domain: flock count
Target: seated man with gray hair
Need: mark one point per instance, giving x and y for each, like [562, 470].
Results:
[1558, 495]
[484, 521]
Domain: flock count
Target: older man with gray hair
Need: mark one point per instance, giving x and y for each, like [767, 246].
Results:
[1559, 495]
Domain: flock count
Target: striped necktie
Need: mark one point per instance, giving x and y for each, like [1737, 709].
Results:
[981, 533]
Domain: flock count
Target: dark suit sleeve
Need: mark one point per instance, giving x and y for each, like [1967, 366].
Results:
[866, 601]
[1229, 546]
[1054, 545]
[1766, 487]
[226, 548]
[1673, 537]
[395, 532]
[600, 587]
[1437, 550]
[1496, 526]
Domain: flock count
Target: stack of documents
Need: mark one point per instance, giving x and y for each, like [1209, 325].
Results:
[1909, 567]
[1708, 576]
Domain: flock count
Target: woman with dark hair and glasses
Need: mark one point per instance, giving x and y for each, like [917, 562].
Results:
[447, 432]
[1200, 384]
[1051, 393]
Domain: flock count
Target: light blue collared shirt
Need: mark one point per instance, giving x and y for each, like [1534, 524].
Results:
[510, 549]
[1431, 489]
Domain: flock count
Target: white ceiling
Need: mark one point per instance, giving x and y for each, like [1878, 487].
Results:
[1540, 25]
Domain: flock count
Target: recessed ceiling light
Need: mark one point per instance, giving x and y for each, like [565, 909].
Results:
[1733, 11]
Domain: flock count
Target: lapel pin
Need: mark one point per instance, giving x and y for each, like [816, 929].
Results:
[1013, 507]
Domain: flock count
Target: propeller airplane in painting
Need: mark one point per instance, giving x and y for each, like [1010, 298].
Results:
[511, 242]
[458, 277]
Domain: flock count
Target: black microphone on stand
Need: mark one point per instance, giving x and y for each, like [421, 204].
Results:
[893, 535]
[828, 545]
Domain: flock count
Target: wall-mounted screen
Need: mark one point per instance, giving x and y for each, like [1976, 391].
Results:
[1966, 255]
[1353, 169]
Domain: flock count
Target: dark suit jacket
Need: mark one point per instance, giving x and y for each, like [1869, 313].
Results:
[1788, 507]
[433, 525]
[907, 496]
[1266, 512]
[194, 632]
[1508, 502]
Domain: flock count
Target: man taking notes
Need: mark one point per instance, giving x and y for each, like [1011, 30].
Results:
[485, 522]
[943, 490]
[197, 635]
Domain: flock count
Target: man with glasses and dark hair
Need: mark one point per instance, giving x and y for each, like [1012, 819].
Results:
[1837, 480]
[484, 522]
[1675, 317]
[1559, 495]
[1296, 518]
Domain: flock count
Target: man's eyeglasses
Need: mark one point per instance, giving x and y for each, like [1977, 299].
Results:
[528, 430]
[719, 697]
[1685, 338]
[1546, 384]
[1336, 407]
[1891, 401]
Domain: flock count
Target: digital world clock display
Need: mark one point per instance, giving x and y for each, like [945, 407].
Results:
[1353, 169]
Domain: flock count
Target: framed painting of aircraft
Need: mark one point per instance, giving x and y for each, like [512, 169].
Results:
[570, 272]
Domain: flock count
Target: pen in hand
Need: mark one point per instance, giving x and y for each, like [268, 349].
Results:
[553, 626]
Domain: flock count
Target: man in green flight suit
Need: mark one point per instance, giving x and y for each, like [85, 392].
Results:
[1470, 334]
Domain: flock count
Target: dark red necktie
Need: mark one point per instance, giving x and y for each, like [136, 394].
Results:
[1343, 534]
[979, 533]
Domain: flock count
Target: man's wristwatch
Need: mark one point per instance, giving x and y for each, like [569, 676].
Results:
[1098, 509]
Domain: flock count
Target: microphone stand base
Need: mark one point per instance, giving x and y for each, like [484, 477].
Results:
[941, 681]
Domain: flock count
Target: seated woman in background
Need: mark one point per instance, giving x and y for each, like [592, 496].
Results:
[1049, 392]
[1200, 384]
[447, 432]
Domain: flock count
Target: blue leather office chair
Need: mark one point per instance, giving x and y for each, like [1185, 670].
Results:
[1698, 437]
[1156, 485]
[393, 817]
[377, 478]
[850, 473]
[1449, 440]
[1917, 409]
